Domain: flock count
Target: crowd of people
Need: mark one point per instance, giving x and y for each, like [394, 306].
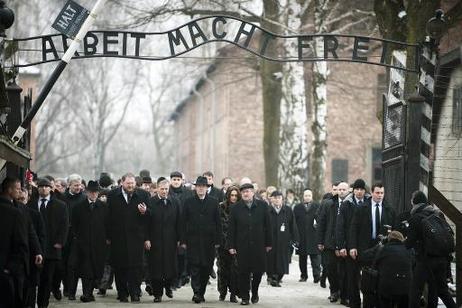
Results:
[168, 233]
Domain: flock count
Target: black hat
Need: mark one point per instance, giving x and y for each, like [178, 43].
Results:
[105, 179]
[419, 197]
[160, 179]
[92, 186]
[43, 182]
[176, 174]
[359, 184]
[246, 186]
[276, 193]
[144, 173]
[201, 180]
[147, 180]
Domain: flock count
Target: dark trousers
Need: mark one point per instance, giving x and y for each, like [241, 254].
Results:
[332, 270]
[432, 270]
[199, 278]
[397, 301]
[324, 266]
[247, 283]
[128, 281]
[46, 280]
[88, 286]
[108, 277]
[353, 271]
[71, 275]
[315, 265]
[227, 273]
[30, 296]
[158, 286]
[342, 276]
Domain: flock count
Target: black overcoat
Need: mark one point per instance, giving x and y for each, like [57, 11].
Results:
[89, 227]
[305, 216]
[284, 232]
[126, 228]
[344, 220]
[202, 229]
[163, 230]
[249, 233]
[327, 222]
[56, 226]
[39, 228]
[361, 225]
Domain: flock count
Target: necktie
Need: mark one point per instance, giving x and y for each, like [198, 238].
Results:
[165, 201]
[43, 205]
[360, 202]
[377, 220]
[129, 197]
[92, 205]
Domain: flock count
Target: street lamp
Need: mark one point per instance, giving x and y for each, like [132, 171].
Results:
[6, 21]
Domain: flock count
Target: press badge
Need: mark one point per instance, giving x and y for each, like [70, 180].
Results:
[283, 228]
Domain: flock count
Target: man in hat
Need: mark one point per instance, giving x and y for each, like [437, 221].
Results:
[285, 233]
[147, 181]
[250, 238]
[54, 214]
[350, 204]
[200, 236]
[126, 228]
[89, 227]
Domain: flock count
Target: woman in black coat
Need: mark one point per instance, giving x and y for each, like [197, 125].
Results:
[89, 227]
[227, 264]
[394, 264]
[284, 230]
[163, 235]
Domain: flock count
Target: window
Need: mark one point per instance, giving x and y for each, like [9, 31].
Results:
[376, 165]
[457, 111]
[339, 170]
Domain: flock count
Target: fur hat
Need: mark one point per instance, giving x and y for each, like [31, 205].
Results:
[359, 184]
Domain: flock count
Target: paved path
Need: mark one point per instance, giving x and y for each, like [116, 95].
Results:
[293, 294]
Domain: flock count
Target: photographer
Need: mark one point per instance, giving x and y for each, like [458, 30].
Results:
[393, 262]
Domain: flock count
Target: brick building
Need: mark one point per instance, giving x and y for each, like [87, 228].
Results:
[219, 126]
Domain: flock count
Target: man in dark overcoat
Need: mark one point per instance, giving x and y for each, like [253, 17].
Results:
[14, 246]
[179, 191]
[201, 235]
[350, 205]
[89, 227]
[367, 225]
[250, 238]
[285, 233]
[163, 235]
[306, 216]
[54, 215]
[125, 229]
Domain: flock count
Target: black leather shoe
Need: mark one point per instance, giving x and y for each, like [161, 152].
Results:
[148, 290]
[196, 299]
[233, 298]
[334, 298]
[344, 302]
[222, 297]
[169, 293]
[323, 283]
[135, 299]
[316, 279]
[87, 299]
[303, 279]
[57, 295]
[157, 299]
[245, 302]
[101, 292]
[255, 299]
[123, 299]
[71, 297]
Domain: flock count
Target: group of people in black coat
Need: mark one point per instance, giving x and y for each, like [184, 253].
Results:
[352, 229]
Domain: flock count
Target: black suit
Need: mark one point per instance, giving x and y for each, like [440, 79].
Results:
[361, 233]
[13, 254]
[56, 223]
[126, 230]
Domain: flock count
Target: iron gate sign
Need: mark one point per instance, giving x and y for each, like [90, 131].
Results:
[256, 40]
[70, 19]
